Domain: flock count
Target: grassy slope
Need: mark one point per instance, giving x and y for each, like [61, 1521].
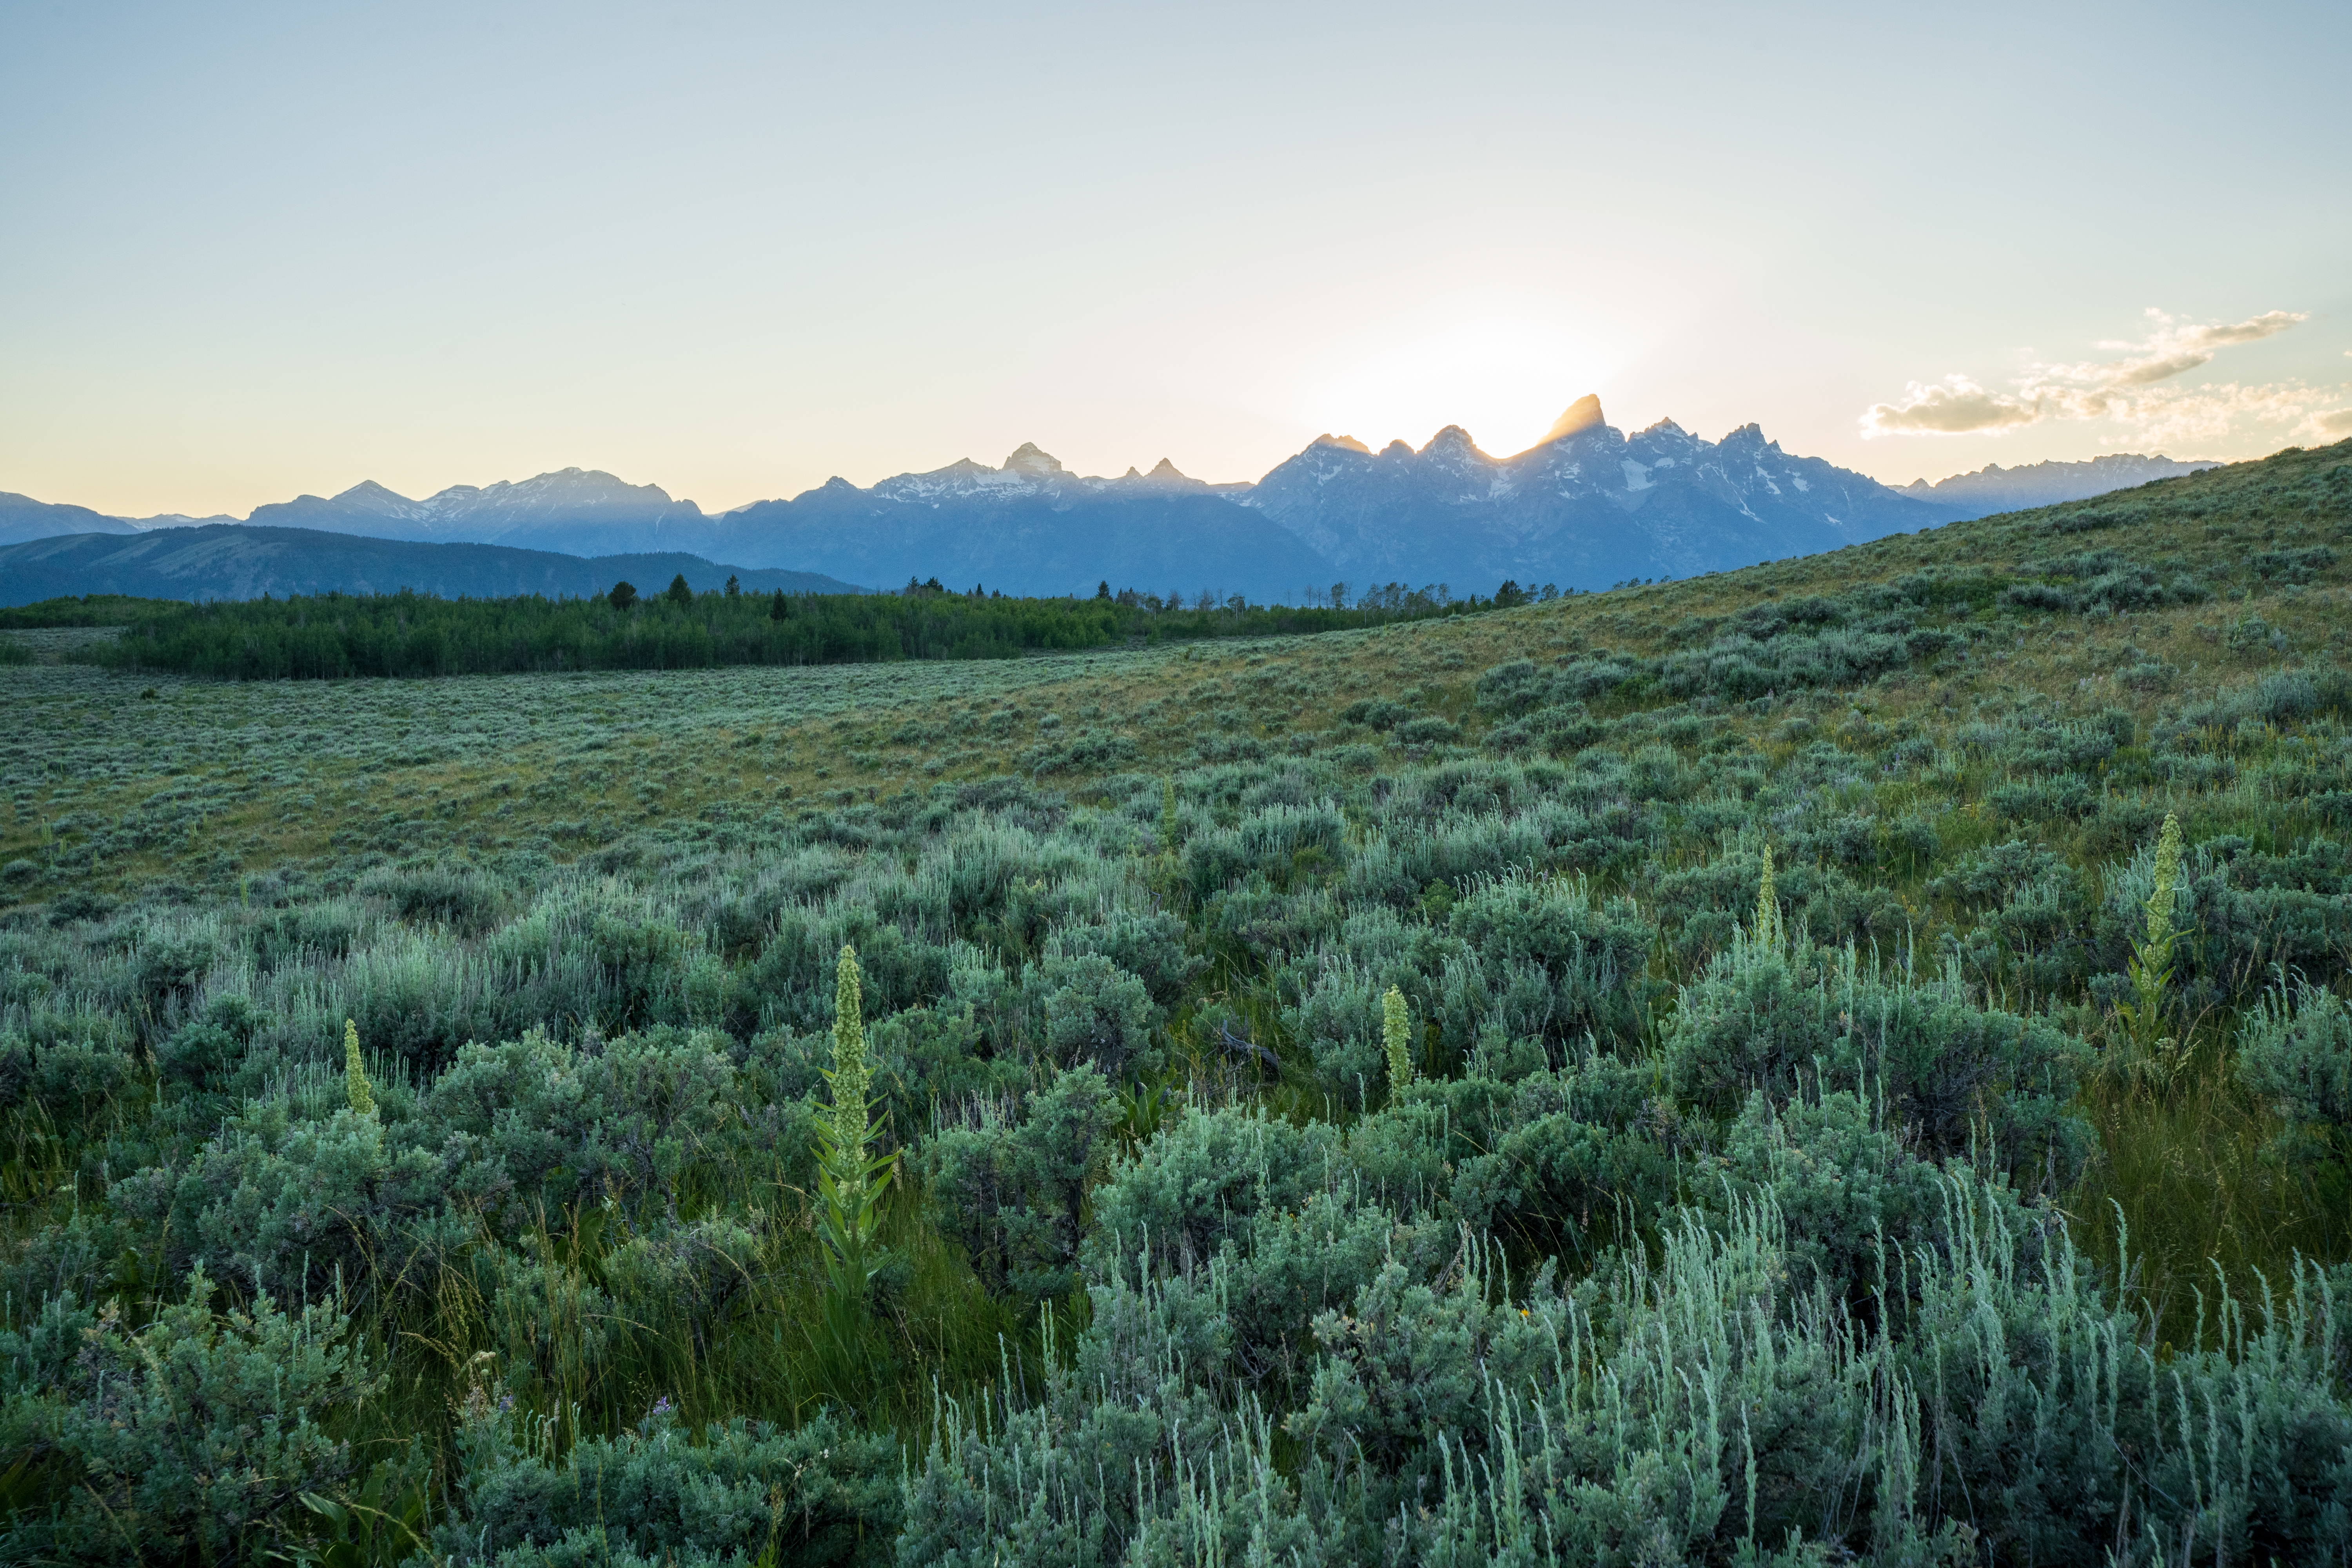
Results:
[119, 785]
[195, 782]
[196, 776]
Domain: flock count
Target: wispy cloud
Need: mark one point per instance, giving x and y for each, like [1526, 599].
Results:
[1953, 407]
[2130, 388]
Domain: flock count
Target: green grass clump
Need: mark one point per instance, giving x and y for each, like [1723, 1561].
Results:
[1847, 1058]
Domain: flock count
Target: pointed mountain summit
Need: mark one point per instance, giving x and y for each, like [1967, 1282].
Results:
[1581, 414]
[1164, 477]
[1453, 440]
[370, 495]
[1030, 460]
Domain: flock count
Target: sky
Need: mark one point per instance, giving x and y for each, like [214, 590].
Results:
[248, 252]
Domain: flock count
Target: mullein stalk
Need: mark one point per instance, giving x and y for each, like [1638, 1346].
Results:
[1768, 905]
[851, 1180]
[1396, 1034]
[2151, 968]
[355, 1078]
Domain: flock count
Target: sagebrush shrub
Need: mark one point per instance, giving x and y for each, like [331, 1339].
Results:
[195, 1437]
[1781, 1016]
[661, 1493]
[1012, 1185]
[2294, 1050]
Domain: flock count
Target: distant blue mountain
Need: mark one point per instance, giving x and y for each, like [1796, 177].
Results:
[578, 511]
[22, 517]
[1993, 488]
[238, 560]
[1586, 507]
[1033, 527]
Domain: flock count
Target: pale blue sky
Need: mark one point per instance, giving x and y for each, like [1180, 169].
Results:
[732, 250]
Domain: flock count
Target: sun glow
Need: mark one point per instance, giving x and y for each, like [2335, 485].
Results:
[1504, 382]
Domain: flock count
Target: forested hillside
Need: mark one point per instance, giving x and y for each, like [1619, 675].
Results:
[217, 562]
[1847, 1059]
[338, 637]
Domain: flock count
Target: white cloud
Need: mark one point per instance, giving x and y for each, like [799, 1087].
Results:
[2130, 389]
[1954, 406]
[2332, 426]
[2173, 346]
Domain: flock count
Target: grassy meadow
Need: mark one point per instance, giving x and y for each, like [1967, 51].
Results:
[1726, 1070]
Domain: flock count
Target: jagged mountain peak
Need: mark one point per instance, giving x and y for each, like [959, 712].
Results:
[1400, 447]
[1579, 415]
[1454, 439]
[1750, 436]
[1345, 443]
[1164, 476]
[368, 493]
[1029, 458]
[575, 483]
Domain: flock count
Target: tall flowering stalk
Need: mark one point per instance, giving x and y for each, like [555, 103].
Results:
[2150, 967]
[850, 1179]
[1768, 904]
[355, 1078]
[1396, 1034]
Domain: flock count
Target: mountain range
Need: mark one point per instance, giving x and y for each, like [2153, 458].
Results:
[242, 560]
[1993, 488]
[1586, 507]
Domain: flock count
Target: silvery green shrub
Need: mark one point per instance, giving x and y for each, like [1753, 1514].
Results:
[680, 1279]
[2294, 1050]
[194, 1437]
[1591, 955]
[1195, 1184]
[1853, 1199]
[461, 897]
[1776, 1016]
[1704, 1398]
[533, 1125]
[1148, 944]
[1271, 840]
[823, 1493]
[1089, 1009]
[1010, 1185]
